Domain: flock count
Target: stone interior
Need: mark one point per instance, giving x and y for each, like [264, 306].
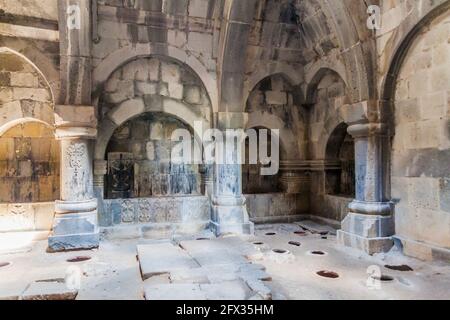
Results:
[90, 97]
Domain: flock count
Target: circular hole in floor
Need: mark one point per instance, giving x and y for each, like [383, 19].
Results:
[280, 251]
[300, 233]
[383, 278]
[402, 267]
[201, 239]
[328, 274]
[295, 243]
[4, 264]
[258, 243]
[270, 233]
[79, 259]
[317, 253]
[324, 238]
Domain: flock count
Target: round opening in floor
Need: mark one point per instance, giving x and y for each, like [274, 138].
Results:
[280, 251]
[300, 233]
[383, 278]
[270, 233]
[324, 238]
[328, 274]
[4, 264]
[258, 243]
[402, 267]
[318, 253]
[79, 259]
[201, 239]
[295, 243]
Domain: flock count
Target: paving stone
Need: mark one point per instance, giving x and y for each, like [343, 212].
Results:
[162, 258]
[198, 275]
[49, 290]
[212, 252]
[260, 288]
[174, 291]
[227, 290]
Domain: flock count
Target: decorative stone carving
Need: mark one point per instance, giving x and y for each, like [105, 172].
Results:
[144, 211]
[76, 151]
[127, 211]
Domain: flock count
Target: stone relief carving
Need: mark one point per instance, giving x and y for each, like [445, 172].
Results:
[76, 152]
[144, 211]
[127, 211]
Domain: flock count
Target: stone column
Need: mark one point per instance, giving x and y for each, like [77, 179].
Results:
[369, 224]
[207, 179]
[100, 171]
[75, 224]
[229, 212]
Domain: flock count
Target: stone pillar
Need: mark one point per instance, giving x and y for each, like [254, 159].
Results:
[207, 179]
[100, 171]
[369, 224]
[75, 224]
[229, 212]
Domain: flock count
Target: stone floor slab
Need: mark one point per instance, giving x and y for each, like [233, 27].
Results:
[156, 259]
[49, 290]
[174, 291]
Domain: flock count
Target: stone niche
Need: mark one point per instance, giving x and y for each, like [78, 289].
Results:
[139, 160]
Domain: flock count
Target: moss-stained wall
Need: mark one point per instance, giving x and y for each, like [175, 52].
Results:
[29, 164]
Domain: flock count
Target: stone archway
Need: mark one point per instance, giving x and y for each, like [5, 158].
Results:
[29, 152]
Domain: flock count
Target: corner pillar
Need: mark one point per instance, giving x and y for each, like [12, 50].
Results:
[369, 224]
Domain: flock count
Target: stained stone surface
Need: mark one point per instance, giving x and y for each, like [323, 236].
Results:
[156, 259]
[49, 290]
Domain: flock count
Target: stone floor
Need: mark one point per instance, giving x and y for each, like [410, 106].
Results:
[280, 262]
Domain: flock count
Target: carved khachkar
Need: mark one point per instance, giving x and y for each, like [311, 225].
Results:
[76, 151]
[144, 211]
[127, 211]
[120, 175]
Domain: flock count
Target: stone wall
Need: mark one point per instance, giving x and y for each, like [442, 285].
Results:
[29, 164]
[44, 9]
[421, 145]
[148, 141]
[154, 84]
[327, 132]
[29, 153]
[276, 207]
[157, 217]
[23, 91]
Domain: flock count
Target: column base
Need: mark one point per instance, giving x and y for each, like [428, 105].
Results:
[74, 231]
[368, 245]
[369, 233]
[231, 219]
[236, 228]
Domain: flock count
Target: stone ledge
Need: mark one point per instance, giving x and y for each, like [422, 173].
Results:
[421, 250]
